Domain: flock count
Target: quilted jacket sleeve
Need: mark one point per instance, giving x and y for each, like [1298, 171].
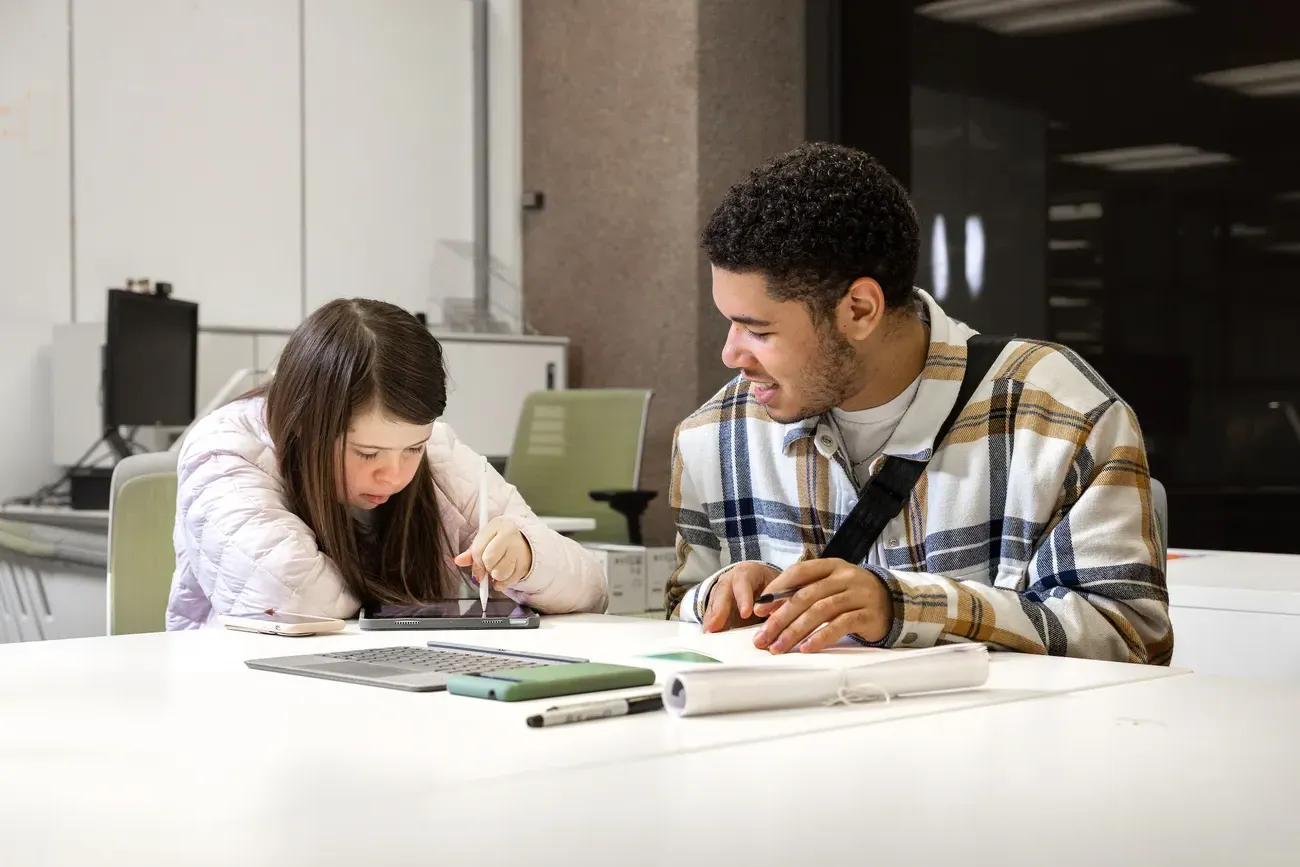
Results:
[565, 578]
[245, 549]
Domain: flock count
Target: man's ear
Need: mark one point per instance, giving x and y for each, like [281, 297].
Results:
[861, 310]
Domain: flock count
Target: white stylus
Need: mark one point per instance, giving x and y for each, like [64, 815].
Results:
[486, 579]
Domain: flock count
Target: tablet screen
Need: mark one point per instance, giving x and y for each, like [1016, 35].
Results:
[448, 608]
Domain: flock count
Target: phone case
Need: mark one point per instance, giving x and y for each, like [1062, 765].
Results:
[269, 627]
[545, 681]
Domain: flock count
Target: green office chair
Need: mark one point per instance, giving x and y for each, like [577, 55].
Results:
[577, 454]
[141, 557]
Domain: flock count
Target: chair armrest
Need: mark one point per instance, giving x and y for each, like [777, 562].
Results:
[629, 504]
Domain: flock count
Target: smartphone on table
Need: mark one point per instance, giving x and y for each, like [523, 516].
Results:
[272, 622]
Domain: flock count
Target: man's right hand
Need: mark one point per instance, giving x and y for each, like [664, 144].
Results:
[731, 601]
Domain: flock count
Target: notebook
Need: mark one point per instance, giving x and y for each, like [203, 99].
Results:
[736, 647]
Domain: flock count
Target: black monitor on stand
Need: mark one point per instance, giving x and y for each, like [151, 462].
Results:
[150, 364]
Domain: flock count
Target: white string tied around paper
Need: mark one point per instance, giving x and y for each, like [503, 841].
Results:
[849, 694]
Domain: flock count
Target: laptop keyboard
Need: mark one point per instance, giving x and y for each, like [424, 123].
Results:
[428, 659]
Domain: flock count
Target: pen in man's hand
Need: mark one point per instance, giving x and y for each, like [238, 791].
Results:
[772, 597]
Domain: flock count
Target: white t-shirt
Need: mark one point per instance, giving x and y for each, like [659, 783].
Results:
[865, 432]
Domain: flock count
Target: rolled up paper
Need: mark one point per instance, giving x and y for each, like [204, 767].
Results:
[730, 688]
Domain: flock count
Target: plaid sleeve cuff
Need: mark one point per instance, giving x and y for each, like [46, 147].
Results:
[920, 613]
[696, 600]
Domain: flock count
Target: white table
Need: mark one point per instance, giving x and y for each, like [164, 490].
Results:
[1236, 614]
[97, 733]
[1186, 770]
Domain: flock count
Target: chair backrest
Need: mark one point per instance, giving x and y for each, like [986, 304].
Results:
[570, 443]
[1160, 505]
[141, 557]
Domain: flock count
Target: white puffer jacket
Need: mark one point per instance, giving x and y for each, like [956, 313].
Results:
[240, 549]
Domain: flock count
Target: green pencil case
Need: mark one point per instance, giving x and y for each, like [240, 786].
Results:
[545, 681]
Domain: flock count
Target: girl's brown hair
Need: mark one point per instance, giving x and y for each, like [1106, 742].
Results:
[346, 358]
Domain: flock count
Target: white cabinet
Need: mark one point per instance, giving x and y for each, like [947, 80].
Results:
[75, 604]
[50, 602]
[220, 356]
[488, 377]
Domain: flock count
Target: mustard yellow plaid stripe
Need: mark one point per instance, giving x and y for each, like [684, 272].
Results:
[1032, 528]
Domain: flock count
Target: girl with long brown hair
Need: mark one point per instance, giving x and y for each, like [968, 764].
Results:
[335, 485]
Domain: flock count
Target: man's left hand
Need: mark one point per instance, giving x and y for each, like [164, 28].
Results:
[837, 596]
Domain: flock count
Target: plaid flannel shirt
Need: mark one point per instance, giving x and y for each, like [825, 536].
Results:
[1032, 528]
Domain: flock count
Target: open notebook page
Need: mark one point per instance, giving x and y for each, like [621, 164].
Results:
[736, 647]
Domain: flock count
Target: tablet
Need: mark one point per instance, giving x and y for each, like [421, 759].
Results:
[450, 614]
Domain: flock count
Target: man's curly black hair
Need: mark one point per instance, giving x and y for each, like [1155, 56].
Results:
[814, 220]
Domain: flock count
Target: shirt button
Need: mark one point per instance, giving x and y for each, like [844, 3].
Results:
[893, 543]
[909, 638]
[826, 442]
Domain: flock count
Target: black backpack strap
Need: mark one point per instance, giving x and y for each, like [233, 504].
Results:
[888, 490]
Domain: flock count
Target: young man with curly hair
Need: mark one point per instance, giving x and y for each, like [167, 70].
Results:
[1030, 526]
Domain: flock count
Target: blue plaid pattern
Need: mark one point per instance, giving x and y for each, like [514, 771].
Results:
[1032, 528]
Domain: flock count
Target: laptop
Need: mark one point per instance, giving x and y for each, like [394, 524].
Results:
[413, 669]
